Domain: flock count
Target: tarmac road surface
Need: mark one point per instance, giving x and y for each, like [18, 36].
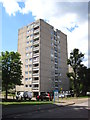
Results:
[48, 111]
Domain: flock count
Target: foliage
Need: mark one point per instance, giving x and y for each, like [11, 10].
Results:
[75, 61]
[84, 74]
[11, 70]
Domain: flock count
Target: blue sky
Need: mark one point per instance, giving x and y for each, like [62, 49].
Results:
[69, 17]
[10, 26]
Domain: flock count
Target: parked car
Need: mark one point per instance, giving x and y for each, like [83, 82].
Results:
[27, 95]
[44, 96]
[19, 95]
[61, 95]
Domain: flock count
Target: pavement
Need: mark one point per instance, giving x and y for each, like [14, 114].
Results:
[65, 102]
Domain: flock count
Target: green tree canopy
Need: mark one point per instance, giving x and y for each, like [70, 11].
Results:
[11, 70]
[84, 74]
[75, 61]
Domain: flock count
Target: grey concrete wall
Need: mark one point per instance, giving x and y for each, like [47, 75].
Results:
[45, 59]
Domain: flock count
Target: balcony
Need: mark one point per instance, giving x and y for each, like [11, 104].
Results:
[36, 36]
[36, 31]
[35, 82]
[35, 89]
[35, 48]
[35, 42]
[56, 81]
[35, 55]
[36, 25]
[35, 59]
[36, 66]
[36, 74]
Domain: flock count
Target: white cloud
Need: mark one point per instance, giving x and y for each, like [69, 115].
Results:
[11, 6]
[60, 15]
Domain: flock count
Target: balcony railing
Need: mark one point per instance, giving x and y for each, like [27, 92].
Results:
[36, 36]
[36, 48]
[36, 31]
[35, 54]
[35, 74]
[35, 82]
[35, 88]
[36, 42]
[36, 68]
[37, 25]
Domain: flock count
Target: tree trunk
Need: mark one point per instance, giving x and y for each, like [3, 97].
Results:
[6, 96]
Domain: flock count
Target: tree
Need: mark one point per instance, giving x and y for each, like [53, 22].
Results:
[84, 74]
[74, 61]
[11, 70]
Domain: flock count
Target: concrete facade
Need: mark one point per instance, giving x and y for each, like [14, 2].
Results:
[43, 52]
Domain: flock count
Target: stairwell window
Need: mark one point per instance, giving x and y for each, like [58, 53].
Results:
[26, 79]
[26, 85]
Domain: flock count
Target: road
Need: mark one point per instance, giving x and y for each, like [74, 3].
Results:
[48, 111]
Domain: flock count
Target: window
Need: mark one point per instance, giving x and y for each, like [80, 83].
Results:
[55, 48]
[28, 27]
[31, 30]
[30, 72]
[56, 85]
[26, 48]
[36, 71]
[56, 78]
[56, 66]
[36, 78]
[52, 67]
[52, 44]
[51, 51]
[55, 33]
[30, 78]
[26, 60]
[30, 65]
[31, 35]
[26, 85]
[26, 78]
[59, 47]
[26, 72]
[30, 47]
[30, 59]
[36, 39]
[58, 37]
[27, 42]
[30, 85]
[27, 54]
[51, 38]
[52, 55]
[52, 33]
[31, 26]
[56, 71]
[55, 44]
[36, 85]
[31, 41]
[58, 42]
[26, 66]
[28, 31]
[56, 60]
[36, 51]
[55, 54]
[27, 37]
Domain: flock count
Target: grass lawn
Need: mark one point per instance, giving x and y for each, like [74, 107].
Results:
[27, 103]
